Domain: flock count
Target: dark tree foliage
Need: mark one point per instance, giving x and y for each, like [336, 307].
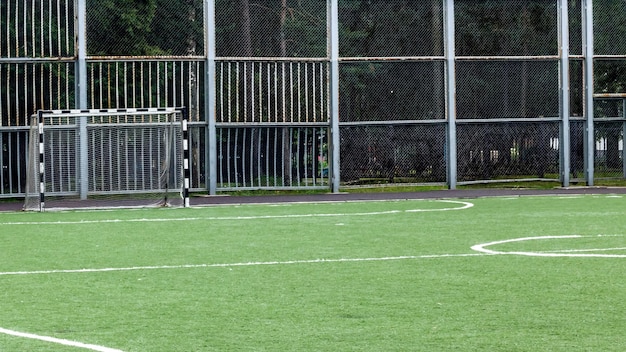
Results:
[145, 27]
[271, 28]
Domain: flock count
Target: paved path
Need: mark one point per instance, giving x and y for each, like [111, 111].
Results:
[327, 197]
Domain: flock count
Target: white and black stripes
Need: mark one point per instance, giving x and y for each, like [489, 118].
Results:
[124, 111]
[186, 173]
[42, 165]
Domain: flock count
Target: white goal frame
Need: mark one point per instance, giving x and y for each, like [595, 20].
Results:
[37, 167]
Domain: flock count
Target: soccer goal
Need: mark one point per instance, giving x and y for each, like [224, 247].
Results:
[108, 158]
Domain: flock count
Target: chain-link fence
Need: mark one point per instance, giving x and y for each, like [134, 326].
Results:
[393, 153]
[429, 91]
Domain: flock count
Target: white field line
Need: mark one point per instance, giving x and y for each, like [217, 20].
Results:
[464, 205]
[58, 341]
[585, 250]
[242, 264]
[482, 248]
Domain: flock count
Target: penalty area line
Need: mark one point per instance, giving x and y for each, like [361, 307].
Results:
[242, 264]
[57, 341]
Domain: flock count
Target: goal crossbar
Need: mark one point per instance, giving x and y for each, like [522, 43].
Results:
[110, 112]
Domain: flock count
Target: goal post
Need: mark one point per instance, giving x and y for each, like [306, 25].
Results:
[108, 158]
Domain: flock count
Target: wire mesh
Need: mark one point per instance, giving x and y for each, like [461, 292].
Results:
[272, 157]
[609, 149]
[505, 28]
[609, 76]
[388, 91]
[507, 89]
[608, 26]
[577, 87]
[388, 28]
[508, 150]
[271, 28]
[577, 150]
[576, 27]
[393, 154]
[145, 28]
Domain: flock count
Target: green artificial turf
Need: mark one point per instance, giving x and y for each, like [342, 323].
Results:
[346, 276]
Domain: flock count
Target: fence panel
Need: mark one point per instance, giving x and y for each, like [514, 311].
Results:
[279, 157]
[508, 150]
[393, 153]
[272, 94]
[13, 144]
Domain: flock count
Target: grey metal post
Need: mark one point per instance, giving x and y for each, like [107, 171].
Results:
[589, 87]
[564, 95]
[210, 171]
[333, 24]
[81, 94]
[450, 67]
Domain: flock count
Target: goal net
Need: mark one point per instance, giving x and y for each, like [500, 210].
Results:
[107, 158]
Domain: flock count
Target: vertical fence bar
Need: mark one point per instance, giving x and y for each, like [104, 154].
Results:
[260, 96]
[299, 92]
[252, 93]
[237, 90]
[267, 157]
[244, 150]
[273, 81]
[81, 93]
[259, 156]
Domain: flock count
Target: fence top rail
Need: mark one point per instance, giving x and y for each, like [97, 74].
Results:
[609, 95]
[107, 112]
[26, 60]
[122, 58]
[271, 59]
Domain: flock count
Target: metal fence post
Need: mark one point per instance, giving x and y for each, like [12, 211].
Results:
[589, 143]
[209, 98]
[564, 93]
[451, 149]
[81, 94]
[333, 23]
